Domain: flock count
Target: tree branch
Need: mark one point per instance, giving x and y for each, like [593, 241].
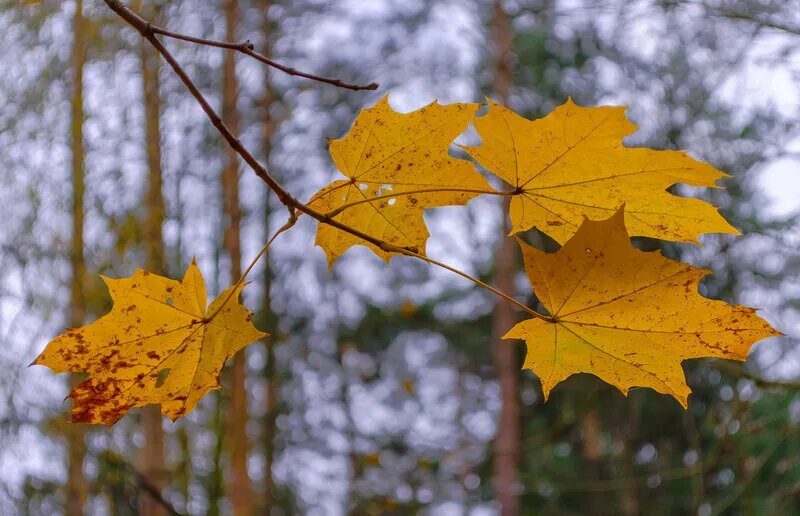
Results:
[752, 18]
[117, 461]
[739, 371]
[147, 31]
[245, 47]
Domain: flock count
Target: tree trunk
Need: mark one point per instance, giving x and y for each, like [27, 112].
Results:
[506, 445]
[151, 458]
[270, 371]
[270, 419]
[77, 490]
[238, 488]
[625, 432]
[593, 460]
[215, 478]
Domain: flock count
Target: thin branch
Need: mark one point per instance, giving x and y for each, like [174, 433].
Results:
[297, 73]
[742, 486]
[247, 48]
[739, 371]
[116, 460]
[734, 15]
[292, 204]
[284, 197]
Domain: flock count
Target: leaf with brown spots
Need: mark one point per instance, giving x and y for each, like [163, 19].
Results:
[627, 316]
[572, 164]
[158, 344]
[396, 165]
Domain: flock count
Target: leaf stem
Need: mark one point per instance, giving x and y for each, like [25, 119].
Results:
[390, 195]
[291, 222]
[480, 283]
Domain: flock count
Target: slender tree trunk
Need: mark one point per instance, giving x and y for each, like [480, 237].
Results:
[465, 467]
[270, 372]
[270, 424]
[355, 467]
[77, 491]
[238, 488]
[593, 460]
[624, 431]
[271, 416]
[506, 445]
[151, 458]
[694, 438]
[183, 472]
[215, 478]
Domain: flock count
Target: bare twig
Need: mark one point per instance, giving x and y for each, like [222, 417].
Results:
[247, 48]
[297, 73]
[763, 22]
[145, 29]
[117, 461]
[739, 371]
[293, 205]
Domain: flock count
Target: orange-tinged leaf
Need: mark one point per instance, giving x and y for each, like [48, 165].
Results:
[627, 316]
[156, 345]
[396, 166]
[571, 164]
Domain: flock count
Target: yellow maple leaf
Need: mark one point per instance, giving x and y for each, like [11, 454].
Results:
[396, 166]
[158, 344]
[627, 316]
[571, 164]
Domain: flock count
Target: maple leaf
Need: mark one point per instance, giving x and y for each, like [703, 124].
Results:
[627, 316]
[397, 165]
[158, 344]
[571, 164]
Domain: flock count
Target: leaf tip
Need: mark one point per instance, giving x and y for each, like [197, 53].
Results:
[384, 101]
[36, 361]
[546, 390]
[491, 102]
[330, 258]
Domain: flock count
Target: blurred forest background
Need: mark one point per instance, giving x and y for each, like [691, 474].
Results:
[383, 390]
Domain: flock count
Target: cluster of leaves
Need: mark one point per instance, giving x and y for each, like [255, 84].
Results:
[630, 317]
